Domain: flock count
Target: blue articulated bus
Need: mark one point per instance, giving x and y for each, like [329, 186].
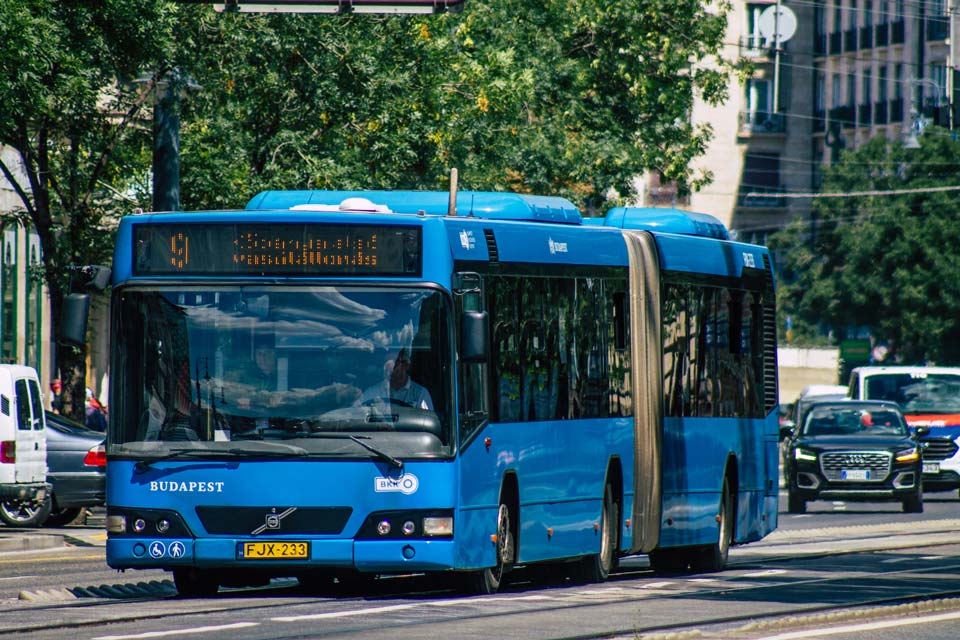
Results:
[338, 385]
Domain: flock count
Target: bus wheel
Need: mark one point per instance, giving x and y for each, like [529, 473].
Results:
[192, 583]
[489, 580]
[714, 556]
[597, 568]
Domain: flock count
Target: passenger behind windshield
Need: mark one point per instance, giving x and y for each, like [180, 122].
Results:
[397, 386]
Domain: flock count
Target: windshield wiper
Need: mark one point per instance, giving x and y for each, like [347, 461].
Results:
[142, 466]
[382, 455]
[386, 457]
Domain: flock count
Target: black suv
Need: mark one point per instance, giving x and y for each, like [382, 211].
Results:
[854, 450]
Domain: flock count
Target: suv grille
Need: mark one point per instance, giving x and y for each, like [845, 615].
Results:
[876, 462]
[938, 448]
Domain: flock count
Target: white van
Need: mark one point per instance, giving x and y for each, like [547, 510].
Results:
[928, 397]
[24, 491]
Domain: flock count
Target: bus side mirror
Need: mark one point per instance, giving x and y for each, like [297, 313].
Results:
[474, 337]
[73, 321]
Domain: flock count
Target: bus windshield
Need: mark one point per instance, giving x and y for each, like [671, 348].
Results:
[319, 368]
[934, 393]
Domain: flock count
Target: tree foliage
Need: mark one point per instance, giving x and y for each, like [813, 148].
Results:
[68, 108]
[572, 98]
[882, 262]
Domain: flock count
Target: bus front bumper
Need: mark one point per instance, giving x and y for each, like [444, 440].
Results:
[373, 556]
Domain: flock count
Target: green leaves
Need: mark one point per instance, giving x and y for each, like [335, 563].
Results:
[879, 261]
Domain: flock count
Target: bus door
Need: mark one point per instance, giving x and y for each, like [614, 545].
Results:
[647, 389]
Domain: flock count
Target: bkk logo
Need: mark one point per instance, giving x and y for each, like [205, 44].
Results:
[406, 484]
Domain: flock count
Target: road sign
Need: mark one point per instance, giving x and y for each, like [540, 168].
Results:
[333, 6]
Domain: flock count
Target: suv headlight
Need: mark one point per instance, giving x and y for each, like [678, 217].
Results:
[804, 454]
[908, 455]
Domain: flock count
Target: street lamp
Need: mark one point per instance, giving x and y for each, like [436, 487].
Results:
[917, 121]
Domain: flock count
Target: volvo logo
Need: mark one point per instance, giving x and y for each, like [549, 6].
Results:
[272, 520]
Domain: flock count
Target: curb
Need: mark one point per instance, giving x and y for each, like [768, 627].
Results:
[31, 542]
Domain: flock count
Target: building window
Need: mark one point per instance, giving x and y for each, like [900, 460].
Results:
[898, 81]
[851, 89]
[759, 100]
[836, 99]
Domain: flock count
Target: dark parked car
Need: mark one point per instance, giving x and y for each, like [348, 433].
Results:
[854, 450]
[76, 468]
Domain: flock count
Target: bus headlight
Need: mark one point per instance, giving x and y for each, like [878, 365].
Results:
[116, 524]
[908, 455]
[438, 526]
[803, 454]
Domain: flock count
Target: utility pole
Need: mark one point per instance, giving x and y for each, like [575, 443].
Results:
[166, 143]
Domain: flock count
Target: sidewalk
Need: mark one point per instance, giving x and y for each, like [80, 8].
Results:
[90, 534]
[12, 540]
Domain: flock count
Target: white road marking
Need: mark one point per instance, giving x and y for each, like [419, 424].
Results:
[17, 577]
[657, 585]
[867, 626]
[764, 574]
[179, 632]
[349, 613]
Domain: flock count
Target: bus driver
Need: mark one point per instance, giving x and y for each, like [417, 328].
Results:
[397, 385]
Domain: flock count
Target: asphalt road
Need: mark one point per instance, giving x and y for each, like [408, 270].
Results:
[834, 568]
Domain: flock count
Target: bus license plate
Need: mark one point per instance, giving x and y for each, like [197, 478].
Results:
[295, 550]
[855, 474]
[931, 467]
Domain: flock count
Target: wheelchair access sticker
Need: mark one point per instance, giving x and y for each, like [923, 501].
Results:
[405, 484]
[158, 549]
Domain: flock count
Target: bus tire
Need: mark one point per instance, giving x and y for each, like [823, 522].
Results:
[489, 580]
[714, 556]
[597, 567]
[192, 583]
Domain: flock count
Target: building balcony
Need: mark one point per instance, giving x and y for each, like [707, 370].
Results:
[761, 122]
[881, 35]
[866, 37]
[880, 112]
[761, 197]
[753, 48]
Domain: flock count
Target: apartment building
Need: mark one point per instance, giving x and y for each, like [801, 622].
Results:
[882, 68]
[852, 70]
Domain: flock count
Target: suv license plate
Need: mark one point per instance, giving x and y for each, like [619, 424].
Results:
[296, 550]
[931, 467]
[855, 474]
